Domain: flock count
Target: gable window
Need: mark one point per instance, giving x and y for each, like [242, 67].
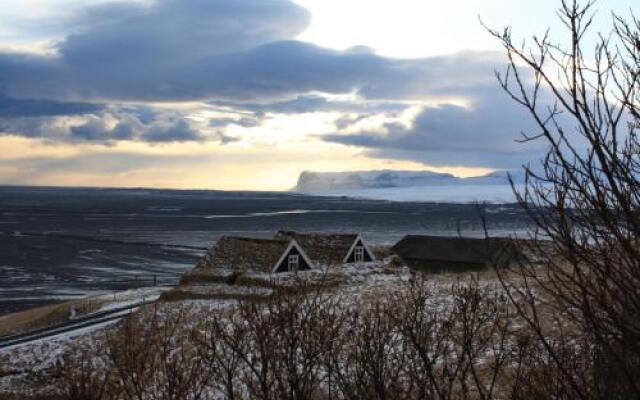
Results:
[293, 262]
[358, 254]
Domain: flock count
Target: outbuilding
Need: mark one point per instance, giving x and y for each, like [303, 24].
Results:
[454, 254]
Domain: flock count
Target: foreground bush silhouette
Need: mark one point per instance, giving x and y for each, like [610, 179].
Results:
[584, 201]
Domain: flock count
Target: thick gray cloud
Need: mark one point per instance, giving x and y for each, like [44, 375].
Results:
[171, 50]
[485, 133]
[245, 122]
[135, 51]
[174, 131]
[145, 126]
[12, 108]
[94, 129]
[309, 103]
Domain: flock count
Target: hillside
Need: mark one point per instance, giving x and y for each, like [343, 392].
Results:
[313, 182]
[412, 186]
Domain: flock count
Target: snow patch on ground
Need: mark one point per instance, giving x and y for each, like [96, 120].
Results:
[129, 297]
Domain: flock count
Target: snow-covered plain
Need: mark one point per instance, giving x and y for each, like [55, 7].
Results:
[496, 194]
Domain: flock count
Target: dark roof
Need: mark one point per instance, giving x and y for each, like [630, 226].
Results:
[244, 254]
[322, 248]
[453, 249]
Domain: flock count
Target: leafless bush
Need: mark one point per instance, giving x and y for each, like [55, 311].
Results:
[133, 350]
[82, 375]
[275, 349]
[457, 350]
[418, 342]
[370, 360]
[305, 327]
[153, 357]
[415, 345]
[150, 356]
[223, 342]
[183, 373]
[584, 199]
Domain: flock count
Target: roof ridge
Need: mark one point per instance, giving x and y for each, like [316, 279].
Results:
[253, 239]
[290, 232]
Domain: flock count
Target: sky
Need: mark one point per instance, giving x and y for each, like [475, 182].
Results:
[246, 94]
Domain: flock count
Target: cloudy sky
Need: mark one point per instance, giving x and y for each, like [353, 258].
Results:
[246, 94]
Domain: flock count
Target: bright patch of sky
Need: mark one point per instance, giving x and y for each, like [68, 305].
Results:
[421, 28]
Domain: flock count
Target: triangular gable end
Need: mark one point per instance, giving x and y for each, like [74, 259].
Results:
[287, 264]
[367, 254]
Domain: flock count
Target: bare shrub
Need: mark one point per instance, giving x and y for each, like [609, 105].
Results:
[584, 200]
[304, 327]
[370, 359]
[153, 358]
[84, 375]
[133, 352]
[461, 349]
[183, 373]
[415, 345]
[273, 350]
[221, 344]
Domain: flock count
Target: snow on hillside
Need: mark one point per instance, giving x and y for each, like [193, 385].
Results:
[410, 186]
[496, 194]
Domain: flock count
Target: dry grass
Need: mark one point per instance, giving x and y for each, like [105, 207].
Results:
[255, 281]
[41, 317]
[180, 294]
[202, 275]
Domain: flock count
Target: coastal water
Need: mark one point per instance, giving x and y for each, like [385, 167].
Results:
[58, 243]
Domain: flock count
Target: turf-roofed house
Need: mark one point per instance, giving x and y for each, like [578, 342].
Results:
[454, 254]
[243, 254]
[331, 249]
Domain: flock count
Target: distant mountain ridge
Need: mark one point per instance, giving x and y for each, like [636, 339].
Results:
[310, 182]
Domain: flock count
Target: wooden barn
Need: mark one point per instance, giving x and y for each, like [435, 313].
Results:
[263, 255]
[331, 249]
[454, 254]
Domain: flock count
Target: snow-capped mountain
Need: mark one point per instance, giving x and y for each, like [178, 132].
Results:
[311, 182]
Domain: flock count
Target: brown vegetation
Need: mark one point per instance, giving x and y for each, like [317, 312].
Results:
[409, 345]
[585, 200]
[44, 316]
